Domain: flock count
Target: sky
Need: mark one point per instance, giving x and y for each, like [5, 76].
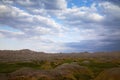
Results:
[60, 25]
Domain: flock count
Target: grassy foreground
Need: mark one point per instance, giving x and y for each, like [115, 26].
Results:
[30, 65]
[95, 67]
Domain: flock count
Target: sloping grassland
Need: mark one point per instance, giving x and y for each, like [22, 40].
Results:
[31, 65]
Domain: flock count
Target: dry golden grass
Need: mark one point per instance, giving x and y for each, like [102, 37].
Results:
[110, 74]
[30, 65]
[66, 71]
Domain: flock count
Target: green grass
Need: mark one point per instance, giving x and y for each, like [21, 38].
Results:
[7, 68]
[98, 67]
[10, 67]
[68, 61]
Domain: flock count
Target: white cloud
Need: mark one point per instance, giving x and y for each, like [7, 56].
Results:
[28, 23]
[80, 15]
[95, 17]
[92, 21]
[110, 10]
[50, 22]
[10, 34]
[1, 35]
[39, 4]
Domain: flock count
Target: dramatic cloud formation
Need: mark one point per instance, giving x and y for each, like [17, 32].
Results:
[60, 25]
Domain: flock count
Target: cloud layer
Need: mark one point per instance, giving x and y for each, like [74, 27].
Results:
[55, 26]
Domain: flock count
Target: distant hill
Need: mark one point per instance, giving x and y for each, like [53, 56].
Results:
[28, 55]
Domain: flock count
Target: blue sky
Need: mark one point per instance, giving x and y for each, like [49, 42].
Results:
[60, 25]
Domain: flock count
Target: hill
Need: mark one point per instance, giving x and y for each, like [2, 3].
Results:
[30, 65]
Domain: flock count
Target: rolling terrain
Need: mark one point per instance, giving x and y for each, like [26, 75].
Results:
[30, 65]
